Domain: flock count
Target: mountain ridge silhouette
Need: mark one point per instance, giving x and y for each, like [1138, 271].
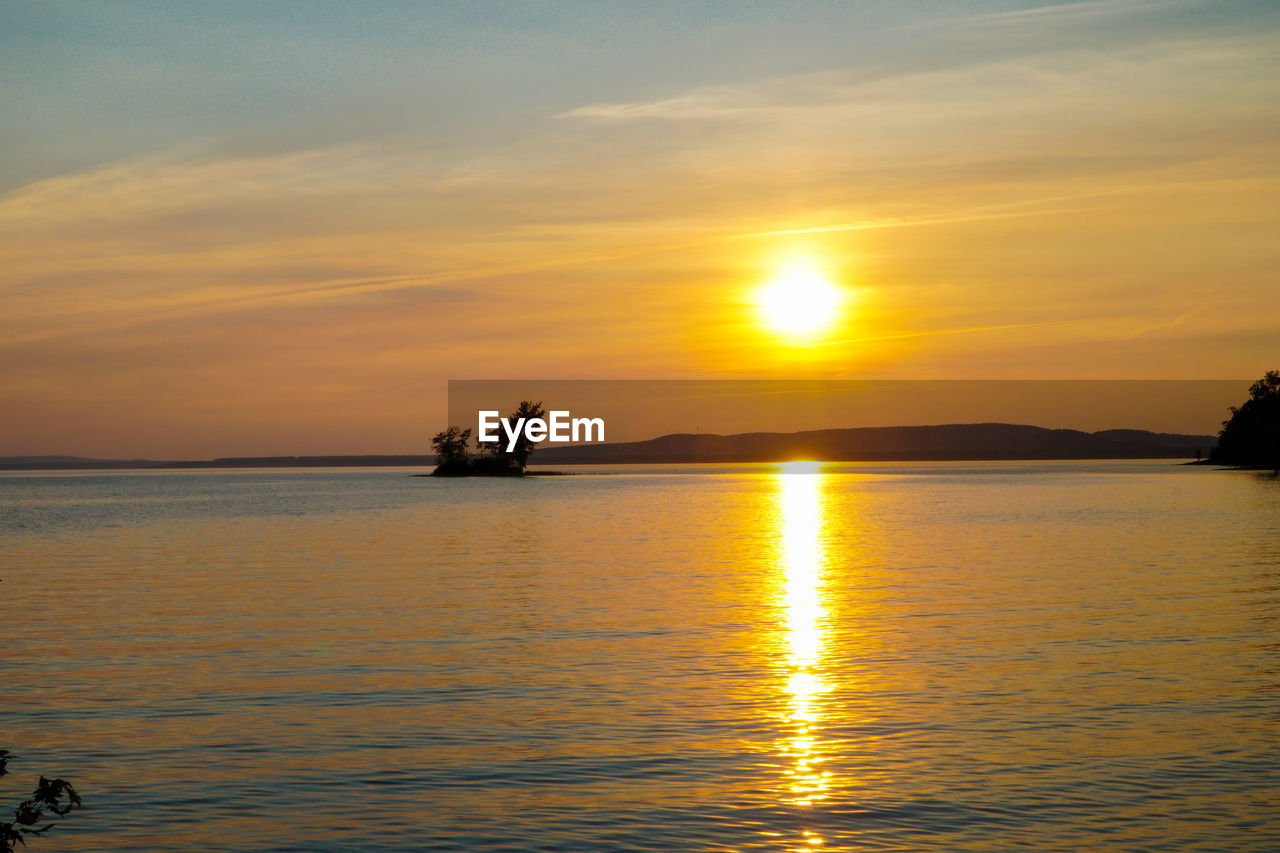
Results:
[938, 442]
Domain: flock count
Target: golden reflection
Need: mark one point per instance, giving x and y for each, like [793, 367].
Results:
[800, 520]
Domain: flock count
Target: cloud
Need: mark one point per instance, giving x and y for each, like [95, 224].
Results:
[707, 105]
[1054, 13]
[1176, 321]
[169, 184]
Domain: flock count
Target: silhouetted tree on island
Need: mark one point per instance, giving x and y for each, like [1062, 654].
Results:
[524, 447]
[494, 459]
[451, 451]
[47, 797]
[1251, 436]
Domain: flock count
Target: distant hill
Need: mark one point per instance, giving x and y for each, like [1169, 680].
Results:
[908, 443]
[47, 463]
[11, 463]
[905, 443]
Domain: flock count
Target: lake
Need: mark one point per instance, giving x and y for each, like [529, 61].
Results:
[967, 656]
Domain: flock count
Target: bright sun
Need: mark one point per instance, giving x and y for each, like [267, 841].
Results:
[800, 303]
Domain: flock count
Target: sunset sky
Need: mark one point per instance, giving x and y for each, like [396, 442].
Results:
[248, 228]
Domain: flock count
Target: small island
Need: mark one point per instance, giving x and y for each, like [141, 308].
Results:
[455, 459]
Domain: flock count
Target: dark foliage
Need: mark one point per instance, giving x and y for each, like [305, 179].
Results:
[493, 460]
[451, 446]
[1251, 436]
[524, 447]
[53, 796]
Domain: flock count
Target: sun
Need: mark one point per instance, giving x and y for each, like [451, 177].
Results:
[799, 304]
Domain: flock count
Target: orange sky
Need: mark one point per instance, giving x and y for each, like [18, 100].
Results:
[232, 235]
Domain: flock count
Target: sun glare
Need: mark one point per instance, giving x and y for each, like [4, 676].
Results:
[800, 303]
[800, 466]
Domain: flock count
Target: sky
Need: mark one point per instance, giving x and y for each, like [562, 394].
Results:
[279, 228]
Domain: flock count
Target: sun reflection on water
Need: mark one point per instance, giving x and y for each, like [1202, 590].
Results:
[800, 521]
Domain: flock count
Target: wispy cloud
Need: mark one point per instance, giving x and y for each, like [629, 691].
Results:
[170, 183]
[709, 104]
[1053, 13]
[1176, 321]
[902, 222]
[933, 333]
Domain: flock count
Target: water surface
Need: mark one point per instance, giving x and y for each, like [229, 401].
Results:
[976, 656]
